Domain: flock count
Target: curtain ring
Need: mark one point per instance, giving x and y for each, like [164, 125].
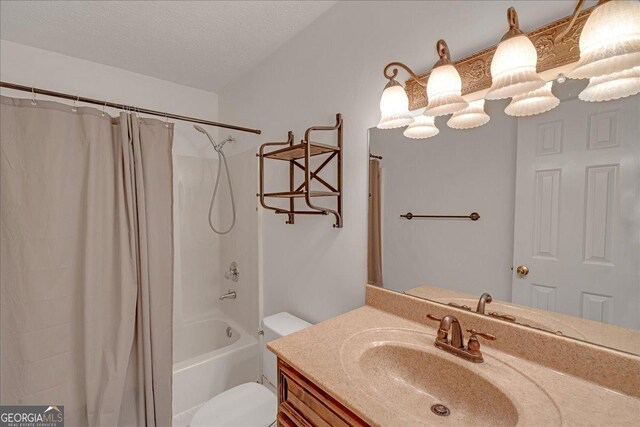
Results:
[104, 107]
[33, 97]
[166, 120]
[74, 108]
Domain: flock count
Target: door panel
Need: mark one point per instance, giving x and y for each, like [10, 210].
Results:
[577, 213]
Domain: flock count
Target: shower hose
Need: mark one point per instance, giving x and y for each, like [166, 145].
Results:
[215, 192]
[218, 148]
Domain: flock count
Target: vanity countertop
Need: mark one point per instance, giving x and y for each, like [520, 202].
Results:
[318, 353]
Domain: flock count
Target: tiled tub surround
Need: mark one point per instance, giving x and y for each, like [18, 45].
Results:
[574, 383]
[600, 333]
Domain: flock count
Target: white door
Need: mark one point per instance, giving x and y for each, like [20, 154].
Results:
[577, 214]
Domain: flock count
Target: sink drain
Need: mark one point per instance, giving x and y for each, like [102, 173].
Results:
[440, 410]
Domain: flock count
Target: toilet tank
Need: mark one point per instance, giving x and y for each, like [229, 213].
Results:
[274, 327]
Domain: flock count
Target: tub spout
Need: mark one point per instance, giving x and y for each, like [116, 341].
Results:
[231, 295]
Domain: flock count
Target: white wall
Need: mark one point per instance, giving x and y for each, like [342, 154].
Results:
[49, 70]
[454, 173]
[335, 65]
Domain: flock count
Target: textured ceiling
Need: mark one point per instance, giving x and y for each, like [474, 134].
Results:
[203, 44]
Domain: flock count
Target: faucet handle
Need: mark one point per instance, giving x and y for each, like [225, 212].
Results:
[463, 306]
[442, 334]
[507, 317]
[484, 335]
[432, 317]
[473, 344]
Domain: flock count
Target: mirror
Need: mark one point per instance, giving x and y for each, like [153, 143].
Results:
[557, 241]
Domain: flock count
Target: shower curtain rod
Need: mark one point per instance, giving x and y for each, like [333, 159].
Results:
[35, 90]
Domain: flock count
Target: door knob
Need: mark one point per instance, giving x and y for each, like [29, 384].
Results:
[522, 270]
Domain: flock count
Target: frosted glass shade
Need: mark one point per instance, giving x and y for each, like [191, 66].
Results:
[471, 117]
[394, 108]
[535, 102]
[422, 127]
[513, 69]
[444, 91]
[610, 40]
[612, 86]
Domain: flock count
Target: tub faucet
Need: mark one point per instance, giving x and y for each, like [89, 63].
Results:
[455, 345]
[230, 295]
[484, 299]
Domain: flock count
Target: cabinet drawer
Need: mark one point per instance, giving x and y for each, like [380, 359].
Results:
[303, 404]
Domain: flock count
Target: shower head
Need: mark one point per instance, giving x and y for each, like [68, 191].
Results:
[215, 145]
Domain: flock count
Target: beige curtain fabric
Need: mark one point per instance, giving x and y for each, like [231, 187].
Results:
[86, 263]
[374, 276]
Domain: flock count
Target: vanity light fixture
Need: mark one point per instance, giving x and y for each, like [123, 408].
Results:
[608, 37]
[612, 86]
[513, 67]
[534, 102]
[394, 107]
[444, 86]
[423, 127]
[610, 40]
[471, 117]
[394, 103]
[610, 51]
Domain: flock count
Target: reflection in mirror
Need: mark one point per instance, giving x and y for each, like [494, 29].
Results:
[557, 241]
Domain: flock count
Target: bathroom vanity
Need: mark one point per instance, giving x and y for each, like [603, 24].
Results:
[378, 365]
[301, 402]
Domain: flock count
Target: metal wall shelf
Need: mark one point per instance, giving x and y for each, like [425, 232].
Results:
[297, 151]
[286, 194]
[303, 151]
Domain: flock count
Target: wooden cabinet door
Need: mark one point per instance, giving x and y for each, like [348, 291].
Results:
[303, 404]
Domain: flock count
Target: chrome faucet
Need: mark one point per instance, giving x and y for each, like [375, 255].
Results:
[230, 295]
[455, 345]
[485, 298]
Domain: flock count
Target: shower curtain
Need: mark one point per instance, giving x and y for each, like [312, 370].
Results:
[374, 259]
[86, 263]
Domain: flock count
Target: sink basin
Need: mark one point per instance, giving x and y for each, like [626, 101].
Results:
[403, 371]
[470, 398]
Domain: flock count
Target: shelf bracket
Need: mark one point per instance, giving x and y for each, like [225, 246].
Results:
[288, 142]
[307, 178]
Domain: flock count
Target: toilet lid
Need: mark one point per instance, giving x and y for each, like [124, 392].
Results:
[247, 405]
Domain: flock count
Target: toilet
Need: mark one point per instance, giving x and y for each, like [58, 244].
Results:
[251, 404]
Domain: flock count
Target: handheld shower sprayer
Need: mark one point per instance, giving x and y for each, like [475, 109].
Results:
[218, 148]
[215, 145]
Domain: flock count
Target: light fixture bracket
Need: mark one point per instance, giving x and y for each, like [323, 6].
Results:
[391, 72]
[392, 83]
[443, 53]
[514, 24]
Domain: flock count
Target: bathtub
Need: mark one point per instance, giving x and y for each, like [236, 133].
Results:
[206, 362]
